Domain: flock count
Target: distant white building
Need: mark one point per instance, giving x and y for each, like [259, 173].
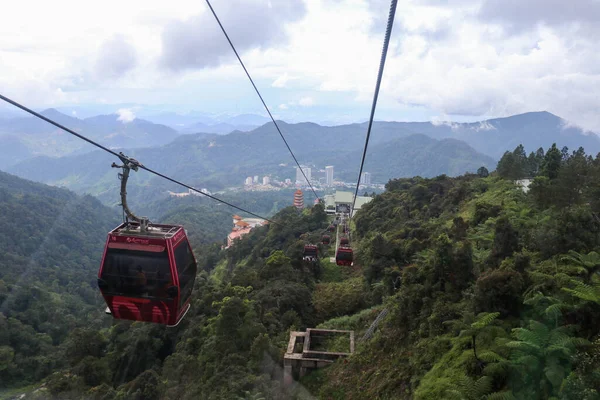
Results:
[194, 193]
[299, 177]
[329, 175]
[288, 181]
[266, 180]
[255, 179]
[248, 181]
[341, 202]
[366, 178]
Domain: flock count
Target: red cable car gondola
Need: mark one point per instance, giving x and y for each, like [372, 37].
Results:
[344, 241]
[331, 228]
[147, 275]
[310, 253]
[326, 239]
[148, 270]
[344, 256]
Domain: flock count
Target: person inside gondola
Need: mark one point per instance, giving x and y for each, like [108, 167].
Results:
[162, 284]
[140, 281]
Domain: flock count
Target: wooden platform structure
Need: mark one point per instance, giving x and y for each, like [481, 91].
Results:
[301, 355]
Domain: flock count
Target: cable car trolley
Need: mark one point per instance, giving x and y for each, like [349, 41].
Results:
[148, 270]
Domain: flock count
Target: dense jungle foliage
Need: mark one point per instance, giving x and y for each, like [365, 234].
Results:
[50, 244]
[491, 289]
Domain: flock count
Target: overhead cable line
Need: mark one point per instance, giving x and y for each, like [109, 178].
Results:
[260, 96]
[50, 121]
[386, 42]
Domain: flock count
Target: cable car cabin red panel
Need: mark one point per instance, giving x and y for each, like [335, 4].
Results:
[344, 241]
[326, 239]
[310, 252]
[147, 276]
[344, 256]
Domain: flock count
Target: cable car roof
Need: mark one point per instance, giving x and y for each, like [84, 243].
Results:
[158, 231]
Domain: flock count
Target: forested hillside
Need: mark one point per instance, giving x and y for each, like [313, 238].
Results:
[491, 291]
[50, 244]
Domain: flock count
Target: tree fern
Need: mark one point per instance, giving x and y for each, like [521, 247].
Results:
[589, 262]
[466, 388]
[484, 319]
[543, 355]
[501, 396]
[585, 292]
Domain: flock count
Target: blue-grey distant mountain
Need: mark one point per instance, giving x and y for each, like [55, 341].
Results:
[25, 137]
[195, 122]
[220, 128]
[246, 119]
[396, 149]
[221, 161]
[494, 136]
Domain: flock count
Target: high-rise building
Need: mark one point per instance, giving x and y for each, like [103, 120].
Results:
[288, 181]
[366, 178]
[248, 181]
[299, 199]
[255, 179]
[329, 175]
[266, 180]
[300, 178]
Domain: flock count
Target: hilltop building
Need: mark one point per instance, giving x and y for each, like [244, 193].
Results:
[299, 199]
[242, 226]
[266, 180]
[255, 179]
[341, 202]
[329, 175]
[248, 181]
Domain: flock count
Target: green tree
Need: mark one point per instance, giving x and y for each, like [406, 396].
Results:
[552, 162]
[483, 172]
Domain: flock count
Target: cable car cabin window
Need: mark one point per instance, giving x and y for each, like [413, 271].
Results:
[135, 273]
[186, 269]
[344, 255]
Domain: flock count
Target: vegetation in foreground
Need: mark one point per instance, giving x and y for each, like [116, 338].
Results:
[492, 293]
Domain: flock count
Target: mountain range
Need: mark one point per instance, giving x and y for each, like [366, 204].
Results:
[216, 161]
[25, 137]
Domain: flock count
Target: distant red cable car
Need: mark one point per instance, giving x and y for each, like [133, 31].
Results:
[344, 256]
[344, 241]
[148, 275]
[326, 239]
[331, 228]
[310, 253]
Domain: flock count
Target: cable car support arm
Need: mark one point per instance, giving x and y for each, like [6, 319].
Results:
[129, 164]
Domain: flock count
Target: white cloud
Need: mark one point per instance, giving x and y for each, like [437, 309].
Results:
[306, 101]
[116, 57]
[484, 126]
[460, 59]
[126, 115]
[281, 81]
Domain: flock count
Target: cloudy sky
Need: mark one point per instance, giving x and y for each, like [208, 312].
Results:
[312, 59]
